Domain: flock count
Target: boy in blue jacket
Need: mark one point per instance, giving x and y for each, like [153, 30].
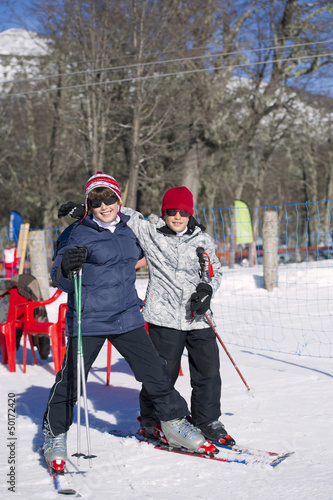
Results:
[107, 250]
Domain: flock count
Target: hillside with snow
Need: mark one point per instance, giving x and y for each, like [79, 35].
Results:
[17, 47]
[22, 43]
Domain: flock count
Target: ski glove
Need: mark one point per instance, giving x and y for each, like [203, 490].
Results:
[72, 260]
[200, 300]
[74, 210]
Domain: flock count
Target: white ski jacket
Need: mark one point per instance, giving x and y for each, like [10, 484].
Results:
[174, 270]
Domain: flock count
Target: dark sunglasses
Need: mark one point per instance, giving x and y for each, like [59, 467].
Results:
[110, 200]
[173, 211]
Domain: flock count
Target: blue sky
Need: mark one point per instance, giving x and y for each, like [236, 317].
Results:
[14, 14]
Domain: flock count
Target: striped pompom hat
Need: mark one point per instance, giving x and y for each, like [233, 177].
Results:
[102, 180]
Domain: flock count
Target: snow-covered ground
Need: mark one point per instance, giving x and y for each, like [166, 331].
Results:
[291, 410]
[21, 42]
[19, 53]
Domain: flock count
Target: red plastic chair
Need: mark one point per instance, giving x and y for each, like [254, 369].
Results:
[54, 330]
[15, 318]
[61, 325]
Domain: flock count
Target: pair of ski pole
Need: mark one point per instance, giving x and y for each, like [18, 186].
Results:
[80, 377]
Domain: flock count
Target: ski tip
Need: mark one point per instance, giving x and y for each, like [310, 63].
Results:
[281, 458]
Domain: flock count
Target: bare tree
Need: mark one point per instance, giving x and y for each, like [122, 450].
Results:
[289, 49]
[161, 95]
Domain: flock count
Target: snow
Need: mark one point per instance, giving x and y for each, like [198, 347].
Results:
[291, 410]
[21, 42]
[19, 53]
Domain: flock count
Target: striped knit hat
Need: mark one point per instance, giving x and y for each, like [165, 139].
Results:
[102, 180]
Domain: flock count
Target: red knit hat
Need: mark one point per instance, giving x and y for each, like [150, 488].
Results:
[180, 198]
[102, 180]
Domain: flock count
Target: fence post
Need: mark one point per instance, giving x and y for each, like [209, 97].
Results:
[22, 245]
[270, 247]
[232, 250]
[38, 261]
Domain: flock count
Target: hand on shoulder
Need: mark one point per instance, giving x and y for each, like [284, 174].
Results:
[153, 218]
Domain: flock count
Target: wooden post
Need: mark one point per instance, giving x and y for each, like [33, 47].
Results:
[22, 245]
[253, 253]
[124, 194]
[232, 249]
[38, 261]
[270, 245]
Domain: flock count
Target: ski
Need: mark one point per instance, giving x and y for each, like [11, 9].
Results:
[271, 457]
[243, 455]
[60, 481]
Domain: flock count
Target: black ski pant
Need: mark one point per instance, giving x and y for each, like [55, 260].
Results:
[204, 364]
[138, 350]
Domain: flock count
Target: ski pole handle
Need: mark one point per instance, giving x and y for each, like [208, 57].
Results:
[200, 252]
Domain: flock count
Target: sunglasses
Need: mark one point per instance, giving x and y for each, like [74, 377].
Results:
[173, 211]
[110, 200]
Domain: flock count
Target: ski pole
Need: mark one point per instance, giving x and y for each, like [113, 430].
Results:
[200, 252]
[227, 353]
[77, 287]
[81, 380]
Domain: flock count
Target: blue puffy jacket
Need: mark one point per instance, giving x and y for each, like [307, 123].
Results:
[110, 304]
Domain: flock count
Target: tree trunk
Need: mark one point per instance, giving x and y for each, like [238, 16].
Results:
[329, 195]
[138, 39]
[38, 261]
[192, 167]
[135, 153]
[270, 245]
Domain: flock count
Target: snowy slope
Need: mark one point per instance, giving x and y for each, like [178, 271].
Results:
[291, 409]
[17, 45]
[22, 43]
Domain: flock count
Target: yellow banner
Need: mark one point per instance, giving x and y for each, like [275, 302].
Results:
[243, 223]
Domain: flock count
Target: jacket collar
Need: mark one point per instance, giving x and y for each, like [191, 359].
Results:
[88, 221]
[191, 227]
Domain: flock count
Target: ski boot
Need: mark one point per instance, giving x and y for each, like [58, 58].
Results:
[147, 431]
[55, 449]
[180, 433]
[216, 432]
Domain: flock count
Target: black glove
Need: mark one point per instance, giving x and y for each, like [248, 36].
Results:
[200, 300]
[193, 223]
[71, 209]
[72, 260]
